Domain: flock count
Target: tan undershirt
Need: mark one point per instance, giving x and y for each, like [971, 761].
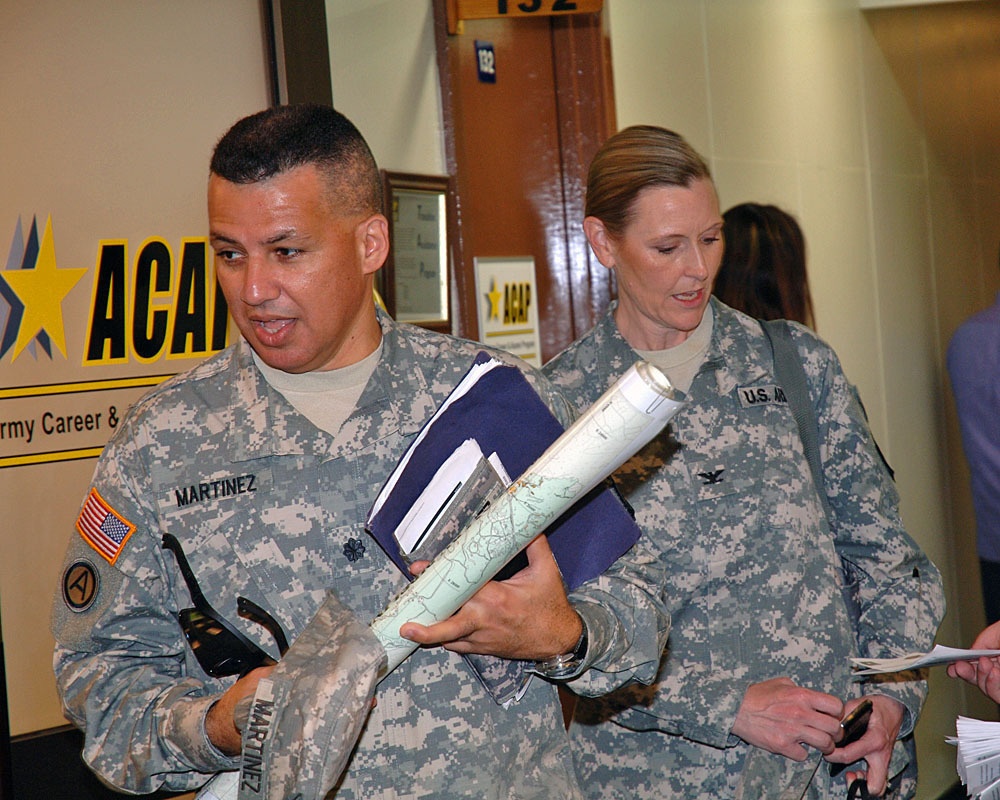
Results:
[682, 362]
[326, 398]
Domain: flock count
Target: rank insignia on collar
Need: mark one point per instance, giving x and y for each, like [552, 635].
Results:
[712, 477]
[354, 550]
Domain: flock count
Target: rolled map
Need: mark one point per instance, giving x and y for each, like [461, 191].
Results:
[625, 418]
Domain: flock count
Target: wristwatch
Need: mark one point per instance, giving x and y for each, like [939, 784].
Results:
[562, 666]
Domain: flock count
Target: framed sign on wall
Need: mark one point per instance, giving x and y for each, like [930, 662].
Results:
[414, 281]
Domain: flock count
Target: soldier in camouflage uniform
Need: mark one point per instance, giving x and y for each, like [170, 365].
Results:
[755, 677]
[246, 461]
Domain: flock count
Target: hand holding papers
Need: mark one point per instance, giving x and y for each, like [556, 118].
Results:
[445, 479]
[624, 419]
[939, 655]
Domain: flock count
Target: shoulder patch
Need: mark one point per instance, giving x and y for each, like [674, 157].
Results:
[79, 585]
[103, 528]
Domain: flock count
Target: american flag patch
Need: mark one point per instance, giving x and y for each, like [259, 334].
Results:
[105, 529]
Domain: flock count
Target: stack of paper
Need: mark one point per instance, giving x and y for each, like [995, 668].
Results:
[459, 490]
[978, 757]
[939, 655]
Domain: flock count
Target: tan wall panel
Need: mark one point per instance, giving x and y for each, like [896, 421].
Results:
[111, 109]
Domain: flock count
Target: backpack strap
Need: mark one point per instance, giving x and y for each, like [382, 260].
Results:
[791, 375]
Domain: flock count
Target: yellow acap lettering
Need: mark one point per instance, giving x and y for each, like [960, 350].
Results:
[159, 309]
[517, 299]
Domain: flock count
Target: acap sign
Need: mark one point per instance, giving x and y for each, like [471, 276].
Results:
[154, 307]
[162, 308]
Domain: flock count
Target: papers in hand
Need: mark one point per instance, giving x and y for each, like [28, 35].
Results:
[461, 487]
[939, 655]
[978, 756]
[561, 491]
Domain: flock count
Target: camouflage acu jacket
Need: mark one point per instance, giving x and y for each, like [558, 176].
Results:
[755, 578]
[267, 506]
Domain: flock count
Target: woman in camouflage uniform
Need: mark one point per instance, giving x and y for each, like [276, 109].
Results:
[756, 674]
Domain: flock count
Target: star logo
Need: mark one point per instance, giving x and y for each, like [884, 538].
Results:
[32, 289]
[494, 295]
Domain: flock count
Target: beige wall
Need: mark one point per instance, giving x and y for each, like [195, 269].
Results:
[385, 79]
[878, 130]
[111, 108]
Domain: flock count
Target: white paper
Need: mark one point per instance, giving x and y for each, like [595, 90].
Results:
[433, 500]
[939, 655]
[224, 786]
[468, 381]
[978, 763]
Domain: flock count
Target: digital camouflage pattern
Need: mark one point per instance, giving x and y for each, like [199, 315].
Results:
[754, 586]
[267, 506]
[307, 714]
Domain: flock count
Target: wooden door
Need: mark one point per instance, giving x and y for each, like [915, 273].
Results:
[518, 150]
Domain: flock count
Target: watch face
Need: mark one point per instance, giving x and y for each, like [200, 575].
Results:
[565, 665]
[558, 667]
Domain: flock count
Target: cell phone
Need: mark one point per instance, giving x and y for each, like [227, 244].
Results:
[854, 726]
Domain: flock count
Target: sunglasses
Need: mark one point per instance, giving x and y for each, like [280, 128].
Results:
[220, 647]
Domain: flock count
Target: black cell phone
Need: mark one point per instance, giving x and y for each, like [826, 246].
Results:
[856, 723]
[854, 726]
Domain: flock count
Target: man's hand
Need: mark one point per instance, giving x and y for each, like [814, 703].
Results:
[876, 745]
[985, 672]
[782, 718]
[527, 616]
[220, 725]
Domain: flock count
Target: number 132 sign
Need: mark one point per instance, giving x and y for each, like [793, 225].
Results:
[459, 10]
[486, 62]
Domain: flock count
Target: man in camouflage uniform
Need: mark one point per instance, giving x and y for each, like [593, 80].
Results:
[757, 659]
[263, 463]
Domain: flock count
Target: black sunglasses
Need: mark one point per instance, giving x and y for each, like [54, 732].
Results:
[219, 647]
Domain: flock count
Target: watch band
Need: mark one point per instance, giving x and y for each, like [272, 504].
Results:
[564, 665]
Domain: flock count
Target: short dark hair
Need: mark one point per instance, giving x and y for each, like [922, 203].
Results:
[279, 139]
[634, 159]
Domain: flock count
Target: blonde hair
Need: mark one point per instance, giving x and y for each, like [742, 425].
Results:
[634, 159]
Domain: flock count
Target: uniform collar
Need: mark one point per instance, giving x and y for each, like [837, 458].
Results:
[738, 354]
[263, 423]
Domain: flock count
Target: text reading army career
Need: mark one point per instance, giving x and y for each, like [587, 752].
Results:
[58, 424]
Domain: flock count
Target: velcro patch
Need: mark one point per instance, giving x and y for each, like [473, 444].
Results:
[103, 528]
[751, 396]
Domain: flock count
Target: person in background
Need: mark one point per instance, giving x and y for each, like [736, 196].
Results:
[763, 271]
[974, 369]
[262, 463]
[756, 674]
